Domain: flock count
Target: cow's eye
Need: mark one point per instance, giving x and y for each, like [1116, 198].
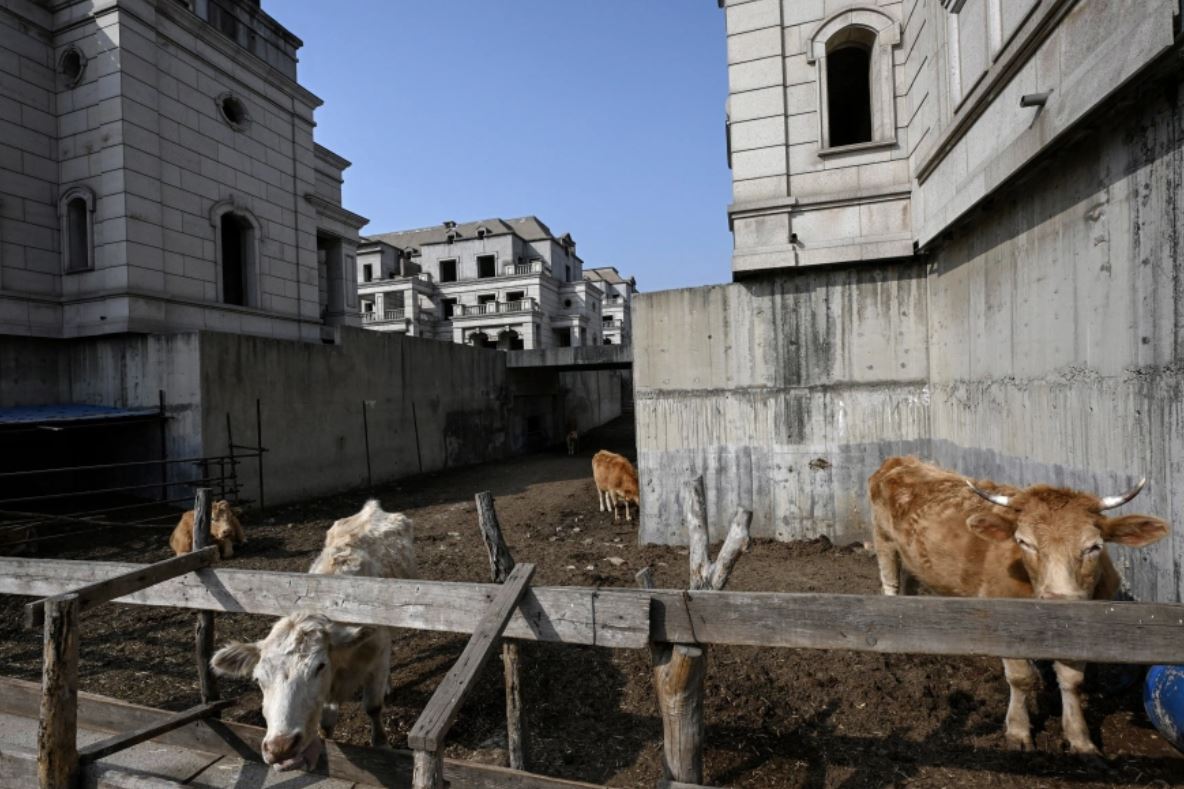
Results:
[320, 667]
[1027, 546]
[1092, 550]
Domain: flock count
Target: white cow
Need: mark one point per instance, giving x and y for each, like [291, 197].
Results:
[309, 664]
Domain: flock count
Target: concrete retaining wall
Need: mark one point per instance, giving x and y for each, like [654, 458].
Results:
[1056, 331]
[429, 405]
[781, 392]
[1043, 341]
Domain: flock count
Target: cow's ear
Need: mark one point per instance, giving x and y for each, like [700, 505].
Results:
[992, 526]
[235, 660]
[343, 637]
[1134, 530]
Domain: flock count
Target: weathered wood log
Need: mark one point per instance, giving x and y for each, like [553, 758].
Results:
[109, 589]
[119, 742]
[500, 565]
[57, 732]
[203, 629]
[428, 770]
[680, 669]
[1091, 631]
[432, 726]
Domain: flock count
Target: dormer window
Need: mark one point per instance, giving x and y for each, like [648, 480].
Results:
[482, 231]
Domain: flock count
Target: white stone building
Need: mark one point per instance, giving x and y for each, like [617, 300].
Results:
[616, 319]
[957, 231]
[158, 173]
[506, 284]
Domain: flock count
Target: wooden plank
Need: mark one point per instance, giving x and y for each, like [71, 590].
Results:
[57, 733]
[570, 615]
[104, 591]
[203, 626]
[18, 767]
[1096, 632]
[380, 767]
[98, 750]
[102, 776]
[501, 562]
[1100, 632]
[432, 726]
[234, 773]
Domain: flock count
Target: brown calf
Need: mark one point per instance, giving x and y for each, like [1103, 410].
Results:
[224, 529]
[616, 479]
[980, 539]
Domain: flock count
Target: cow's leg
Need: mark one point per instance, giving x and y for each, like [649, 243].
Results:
[888, 557]
[328, 719]
[628, 517]
[1021, 678]
[374, 693]
[1070, 677]
[600, 498]
[612, 503]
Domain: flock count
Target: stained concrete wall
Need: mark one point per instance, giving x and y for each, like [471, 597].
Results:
[1057, 328]
[429, 405]
[1041, 342]
[783, 392]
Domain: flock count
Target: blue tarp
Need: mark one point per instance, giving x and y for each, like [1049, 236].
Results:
[68, 412]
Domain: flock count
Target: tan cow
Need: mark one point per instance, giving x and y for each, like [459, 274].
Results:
[309, 664]
[979, 539]
[225, 530]
[616, 480]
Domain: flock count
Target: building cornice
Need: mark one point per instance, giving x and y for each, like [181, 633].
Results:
[334, 211]
[201, 29]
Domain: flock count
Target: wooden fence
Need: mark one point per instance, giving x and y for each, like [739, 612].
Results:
[1122, 632]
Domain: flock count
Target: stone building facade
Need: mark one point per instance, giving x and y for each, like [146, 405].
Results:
[158, 173]
[616, 320]
[984, 270]
[498, 283]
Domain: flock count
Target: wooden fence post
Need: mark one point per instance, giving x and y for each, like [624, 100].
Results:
[57, 733]
[203, 632]
[500, 565]
[680, 669]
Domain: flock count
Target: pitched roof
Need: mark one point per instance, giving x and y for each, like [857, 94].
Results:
[608, 274]
[528, 228]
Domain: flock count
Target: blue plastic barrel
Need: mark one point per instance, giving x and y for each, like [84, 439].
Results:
[1163, 698]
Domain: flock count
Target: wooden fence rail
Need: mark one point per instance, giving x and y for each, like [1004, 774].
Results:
[1099, 632]
[109, 589]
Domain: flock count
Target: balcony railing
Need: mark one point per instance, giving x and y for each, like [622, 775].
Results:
[521, 269]
[387, 315]
[496, 308]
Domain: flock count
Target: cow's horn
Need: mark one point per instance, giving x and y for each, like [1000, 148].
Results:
[1110, 502]
[994, 498]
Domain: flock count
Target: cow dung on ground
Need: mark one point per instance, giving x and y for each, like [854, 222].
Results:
[775, 718]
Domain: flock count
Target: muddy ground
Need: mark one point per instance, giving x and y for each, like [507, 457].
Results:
[775, 718]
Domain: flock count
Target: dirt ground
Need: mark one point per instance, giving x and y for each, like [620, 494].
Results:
[775, 718]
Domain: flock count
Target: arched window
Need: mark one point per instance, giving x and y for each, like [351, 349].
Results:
[237, 248]
[852, 52]
[849, 88]
[76, 214]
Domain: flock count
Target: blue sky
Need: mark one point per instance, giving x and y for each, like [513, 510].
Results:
[605, 118]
